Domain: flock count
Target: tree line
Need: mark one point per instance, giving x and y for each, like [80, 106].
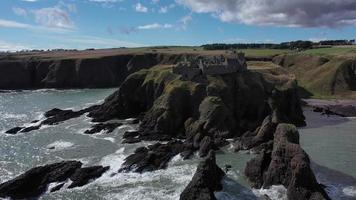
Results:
[295, 45]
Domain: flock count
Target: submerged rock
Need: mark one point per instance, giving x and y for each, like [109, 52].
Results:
[14, 131]
[82, 176]
[35, 182]
[206, 180]
[53, 117]
[153, 157]
[138, 136]
[108, 127]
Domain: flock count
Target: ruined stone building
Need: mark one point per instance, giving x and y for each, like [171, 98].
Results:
[217, 65]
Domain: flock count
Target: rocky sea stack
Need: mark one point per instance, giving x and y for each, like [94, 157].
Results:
[213, 106]
[282, 161]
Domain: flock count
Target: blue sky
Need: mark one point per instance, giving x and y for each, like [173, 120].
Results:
[49, 24]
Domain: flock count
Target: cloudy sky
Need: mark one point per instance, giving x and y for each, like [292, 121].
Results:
[48, 24]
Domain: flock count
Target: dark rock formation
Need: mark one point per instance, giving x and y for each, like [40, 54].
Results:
[108, 127]
[286, 164]
[82, 176]
[206, 145]
[206, 180]
[261, 135]
[137, 136]
[152, 157]
[219, 107]
[53, 117]
[34, 182]
[14, 130]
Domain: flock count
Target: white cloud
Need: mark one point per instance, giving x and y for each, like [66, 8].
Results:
[155, 26]
[295, 13]
[8, 46]
[85, 41]
[164, 9]
[55, 17]
[30, 0]
[13, 24]
[184, 21]
[140, 8]
[19, 11]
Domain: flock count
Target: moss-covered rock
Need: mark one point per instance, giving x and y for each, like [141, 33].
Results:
[220, 106]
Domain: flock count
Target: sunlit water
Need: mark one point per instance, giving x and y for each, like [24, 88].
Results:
[333, 149]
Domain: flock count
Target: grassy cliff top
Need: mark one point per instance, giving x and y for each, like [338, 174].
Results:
[97, 53]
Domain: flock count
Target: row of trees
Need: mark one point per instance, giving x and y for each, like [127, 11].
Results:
[300, 44]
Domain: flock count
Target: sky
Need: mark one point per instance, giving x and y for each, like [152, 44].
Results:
[81, 24]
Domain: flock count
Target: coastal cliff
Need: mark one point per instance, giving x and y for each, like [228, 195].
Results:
[224, 105]
[34, 72]
[199, 114]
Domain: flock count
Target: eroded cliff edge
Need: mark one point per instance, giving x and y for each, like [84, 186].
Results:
[77, 71]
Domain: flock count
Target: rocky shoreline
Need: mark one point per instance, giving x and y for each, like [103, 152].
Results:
[200, 115]
[342, 108]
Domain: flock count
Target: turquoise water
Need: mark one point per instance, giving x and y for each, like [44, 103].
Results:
[329, 141]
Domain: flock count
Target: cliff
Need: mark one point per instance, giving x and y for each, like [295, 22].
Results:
[218, 106]
[76, 71]
[321, 76]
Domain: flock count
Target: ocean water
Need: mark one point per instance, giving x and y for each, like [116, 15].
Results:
[331, 144]
[332, 152]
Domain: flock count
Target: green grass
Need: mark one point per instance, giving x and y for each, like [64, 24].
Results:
[264, 52]
[332, 51]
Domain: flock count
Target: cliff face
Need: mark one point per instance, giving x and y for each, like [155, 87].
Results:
[107, 71]
[217, 106]
[320, 75]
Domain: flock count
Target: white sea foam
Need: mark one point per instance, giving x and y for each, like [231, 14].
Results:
[350, 191]
[146, 185]
[13, 116]
[275, 192]
[111, 139]
[175, 159]
[60, 145]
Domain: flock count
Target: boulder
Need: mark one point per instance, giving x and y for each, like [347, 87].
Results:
[107, 127]
[206, 180]
[82, 176]
[153, 157]
[35, 182]
[14, 131]
[53, 117]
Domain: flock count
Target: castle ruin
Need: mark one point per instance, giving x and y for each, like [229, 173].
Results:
[216, 65]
